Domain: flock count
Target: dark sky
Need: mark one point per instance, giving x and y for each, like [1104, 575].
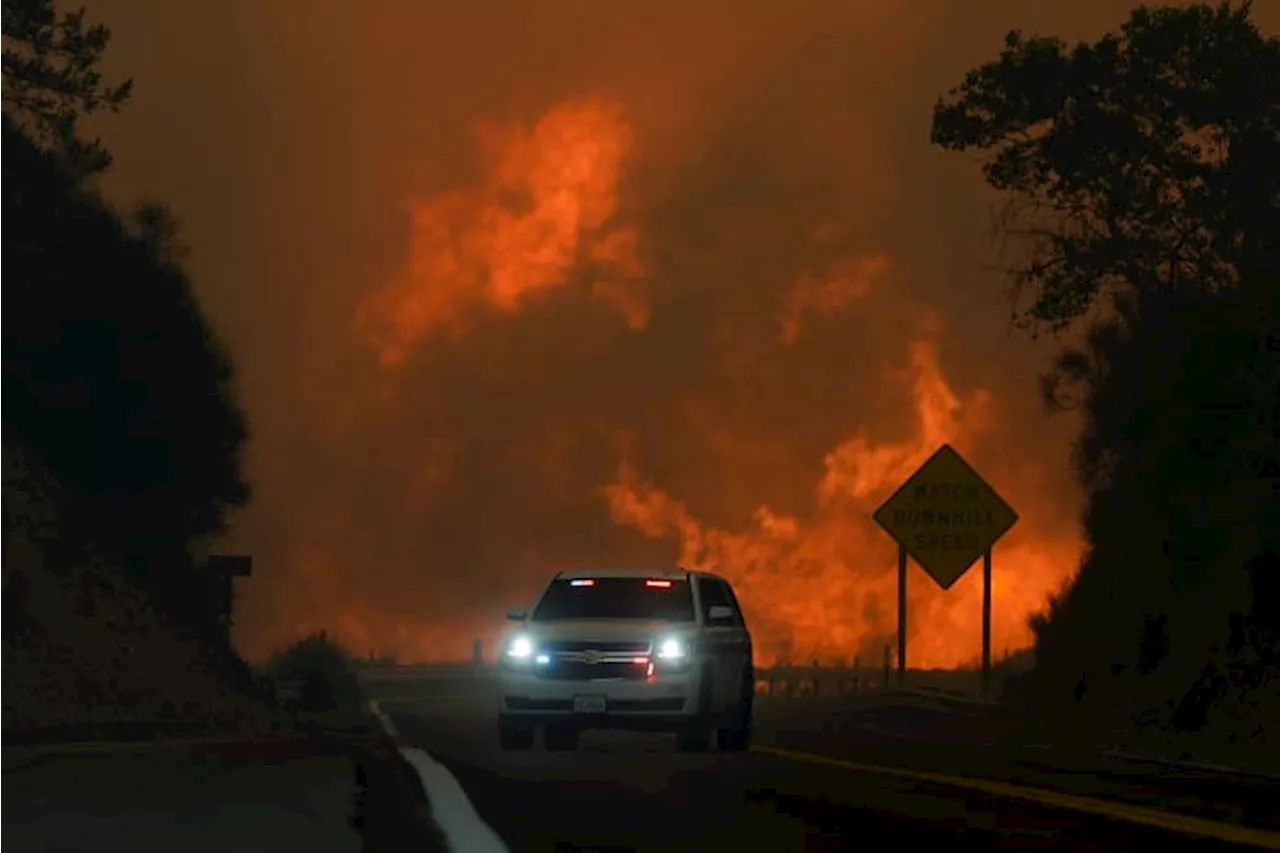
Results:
[521, 286]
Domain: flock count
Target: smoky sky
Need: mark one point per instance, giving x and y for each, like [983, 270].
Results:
[768, 144]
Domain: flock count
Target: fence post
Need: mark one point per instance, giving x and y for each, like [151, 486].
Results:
[888, 665]
[477, 652]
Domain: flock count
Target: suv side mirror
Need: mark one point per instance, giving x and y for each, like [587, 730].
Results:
[517, 614]
[719, 613]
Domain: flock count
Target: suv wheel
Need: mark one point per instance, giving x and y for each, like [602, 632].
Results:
[736, 735]
[359, 800]
[512, 735]
[560, 737]
[695, 736]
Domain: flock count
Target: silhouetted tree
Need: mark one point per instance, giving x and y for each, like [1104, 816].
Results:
[114, 379]
[51, 79]
[1143, 162]
[158, 228]
[1141, 177]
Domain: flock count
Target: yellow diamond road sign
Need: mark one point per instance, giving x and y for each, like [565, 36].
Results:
[945, 516]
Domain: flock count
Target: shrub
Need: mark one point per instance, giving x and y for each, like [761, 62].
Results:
[323, 670]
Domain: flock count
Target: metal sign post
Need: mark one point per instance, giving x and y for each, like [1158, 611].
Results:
[902, 615]
[986, 622]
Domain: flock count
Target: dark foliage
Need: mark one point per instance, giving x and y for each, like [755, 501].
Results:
[51, 79]
[1144, 162]
[323, 671]
[114, 379]
[1142, 180]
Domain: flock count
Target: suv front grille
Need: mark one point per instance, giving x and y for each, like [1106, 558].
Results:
[607, 646]
[572, 670]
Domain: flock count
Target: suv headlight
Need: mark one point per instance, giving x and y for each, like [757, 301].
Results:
[520, 648]
[670, 648]
[519, 652]
[672, 652]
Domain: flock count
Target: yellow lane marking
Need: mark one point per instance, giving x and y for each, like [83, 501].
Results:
[1169, 821]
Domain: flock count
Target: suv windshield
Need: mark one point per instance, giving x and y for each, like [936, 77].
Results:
[616, 598]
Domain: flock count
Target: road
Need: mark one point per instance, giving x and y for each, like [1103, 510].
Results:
[334, 782]
[879, 769]
[177, 795]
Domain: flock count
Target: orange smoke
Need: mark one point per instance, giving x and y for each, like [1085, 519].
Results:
[546, 215]
[546, 207]
[843, 282]
[322, 599]
[826, 588]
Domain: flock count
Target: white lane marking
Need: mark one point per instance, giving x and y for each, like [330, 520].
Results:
[464, 830]
[383, 720]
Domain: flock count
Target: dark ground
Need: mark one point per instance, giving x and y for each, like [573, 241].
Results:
[636, 793]
[134, 790]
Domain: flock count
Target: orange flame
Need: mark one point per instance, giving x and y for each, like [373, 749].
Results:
[547, 205]
[827, 588]
[546, 215]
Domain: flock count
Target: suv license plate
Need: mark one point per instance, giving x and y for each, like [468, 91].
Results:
[590, 705]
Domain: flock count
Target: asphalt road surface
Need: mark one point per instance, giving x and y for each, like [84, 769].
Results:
[874, 770]
[144, 797]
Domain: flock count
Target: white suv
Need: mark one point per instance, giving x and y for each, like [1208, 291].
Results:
[665, 651]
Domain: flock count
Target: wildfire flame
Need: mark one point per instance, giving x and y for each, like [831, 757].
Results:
[546, 207]
[826, 589]
[547, 215]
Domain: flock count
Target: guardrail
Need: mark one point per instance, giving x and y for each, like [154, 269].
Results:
[789, 682]
[793, 681]
[422, 670]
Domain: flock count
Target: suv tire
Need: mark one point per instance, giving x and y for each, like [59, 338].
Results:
[695, 735]
[735, 736]
[514, 736]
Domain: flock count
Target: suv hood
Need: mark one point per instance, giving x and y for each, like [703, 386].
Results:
[602, 629]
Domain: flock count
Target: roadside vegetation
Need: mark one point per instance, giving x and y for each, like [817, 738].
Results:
[122, 435]
[320, 674]
[1139, 178]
